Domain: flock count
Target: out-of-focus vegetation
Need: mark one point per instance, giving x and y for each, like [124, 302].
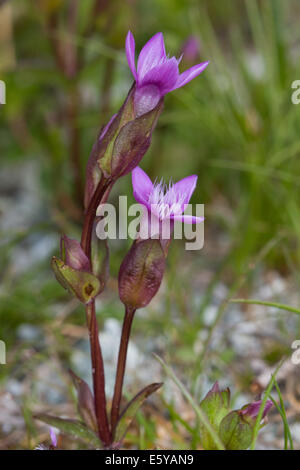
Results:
[235, 126]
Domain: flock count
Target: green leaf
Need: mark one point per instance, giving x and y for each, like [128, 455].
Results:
[131, 409]
[288, 308]
[86, 406]
[268, 390]
[72, 428]
[85, 286]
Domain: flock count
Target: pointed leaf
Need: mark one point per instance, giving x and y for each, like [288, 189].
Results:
[86, 406]
[131, 409]
[72, 428]
[85, 286]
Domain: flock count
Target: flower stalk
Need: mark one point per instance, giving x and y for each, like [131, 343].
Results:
[98, 376]
[96, 353]
[123, 349]
[102, 190]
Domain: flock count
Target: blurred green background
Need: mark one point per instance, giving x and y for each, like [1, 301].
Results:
[235, 126]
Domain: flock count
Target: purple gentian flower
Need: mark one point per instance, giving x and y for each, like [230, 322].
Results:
[156, 74]
[163, 203]
[252, 410]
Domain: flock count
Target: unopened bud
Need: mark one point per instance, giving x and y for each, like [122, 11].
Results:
[216, 406]
[141, 273]
[235, 432]
[73, 255]
[250, 411]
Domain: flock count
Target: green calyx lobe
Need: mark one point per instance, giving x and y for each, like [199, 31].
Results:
[83, 285]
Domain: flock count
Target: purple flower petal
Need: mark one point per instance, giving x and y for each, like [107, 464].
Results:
[268, 406]
[252, 409]
[163, 75]
[151, 55]
[186, 187]
[142, 186]
[53, 437]
[145, 99]
[189, 74]
[130, 53]
[187, 219]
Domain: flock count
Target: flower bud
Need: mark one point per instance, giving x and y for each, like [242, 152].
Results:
[216, 406]
[73, 255]
[250, 411]
[235, 432]
[237, 427]
[141, 273]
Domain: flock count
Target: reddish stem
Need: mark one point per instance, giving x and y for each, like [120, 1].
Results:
[99, 196]
[98, 376]
[115, 410]
[102, 191]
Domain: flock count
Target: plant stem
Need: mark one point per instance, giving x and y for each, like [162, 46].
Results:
[98, 376]
[102, 191]
[99, 196]
[126, 329]
[263, 404]
[288, 308]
